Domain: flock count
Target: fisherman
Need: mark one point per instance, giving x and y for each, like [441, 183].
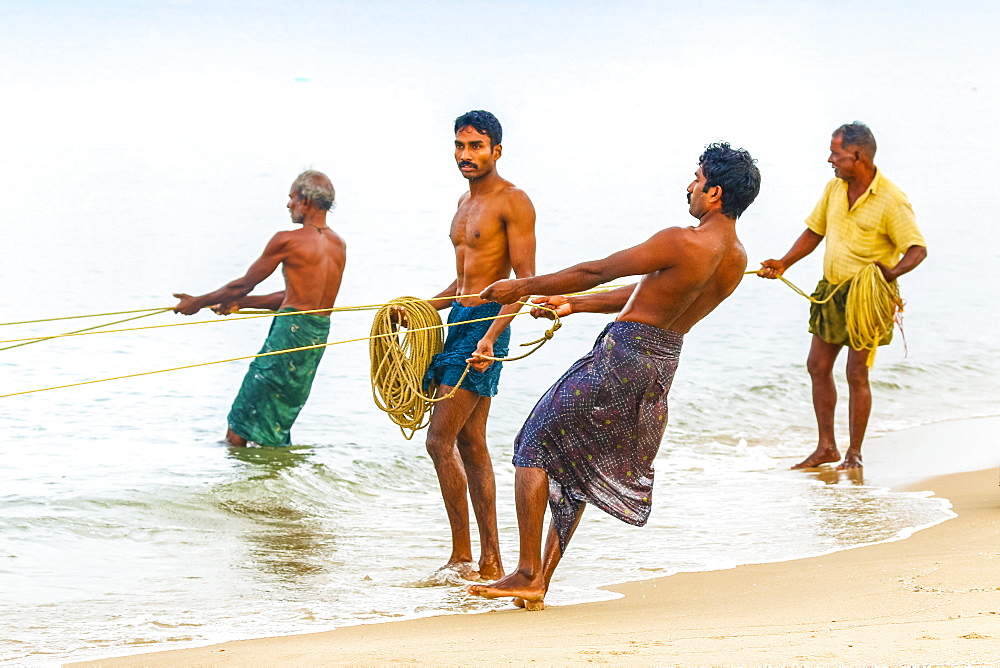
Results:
[312, 259]
[493, 233]
[865, 220]
[593, 436]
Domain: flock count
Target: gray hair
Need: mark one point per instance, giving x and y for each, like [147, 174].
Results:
[858, 135]
[315, 187]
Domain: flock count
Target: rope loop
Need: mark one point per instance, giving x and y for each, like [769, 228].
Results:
[872, 305]
[406, 334]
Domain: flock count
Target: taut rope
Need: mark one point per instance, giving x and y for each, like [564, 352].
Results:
[872, 306]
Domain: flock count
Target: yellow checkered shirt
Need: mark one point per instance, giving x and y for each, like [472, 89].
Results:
[880, 226]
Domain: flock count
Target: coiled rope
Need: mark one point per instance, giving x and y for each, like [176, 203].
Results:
[398, 363]
[872, 305]
[400, 356]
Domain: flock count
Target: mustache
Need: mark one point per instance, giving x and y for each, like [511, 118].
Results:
[689, 198]
[466, 163]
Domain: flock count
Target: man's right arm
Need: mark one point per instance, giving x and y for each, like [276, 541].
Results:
[807, 242]
[273, 255]
[664, 250]
[444, 298]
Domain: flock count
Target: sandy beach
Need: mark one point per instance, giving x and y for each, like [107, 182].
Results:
[933, 598]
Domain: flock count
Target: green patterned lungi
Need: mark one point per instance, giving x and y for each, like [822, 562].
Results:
[828, 321]
[276, 386]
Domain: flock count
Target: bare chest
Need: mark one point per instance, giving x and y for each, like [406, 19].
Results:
[476, 225]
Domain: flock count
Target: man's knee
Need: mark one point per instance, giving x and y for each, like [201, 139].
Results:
[822, 356]
[438, 446]
[857, 373]
[819, 366]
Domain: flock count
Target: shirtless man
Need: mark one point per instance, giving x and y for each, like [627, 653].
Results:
[312, 260]
[493, 232]
[593, 436]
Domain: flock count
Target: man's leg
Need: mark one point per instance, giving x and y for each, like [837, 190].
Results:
[553, 553]
[482, 487]
[531, 493]
[822, 355]
[860, 406]
[447, 420]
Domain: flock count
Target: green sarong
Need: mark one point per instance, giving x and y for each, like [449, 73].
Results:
[829, 321]
[276, 386]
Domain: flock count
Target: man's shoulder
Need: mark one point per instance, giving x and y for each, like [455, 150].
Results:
[509, 191]
[515, 205]
[305, 238]
[678, 237]
[884, 186]
[695, 248]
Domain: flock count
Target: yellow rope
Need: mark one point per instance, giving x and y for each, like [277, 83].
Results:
[261, 312]
[398, 362]
[802, 292]
[400, 357]
[88, 332]
[245, 357]
[176, 368]
[411, 300]
[872, 304]
[78, 332]
[89, 315]
[241, 315]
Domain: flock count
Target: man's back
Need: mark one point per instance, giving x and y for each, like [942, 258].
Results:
[313, 267]
[706, 263]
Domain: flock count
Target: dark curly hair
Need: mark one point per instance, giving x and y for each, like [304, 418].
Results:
[484, 122]
[735, 172]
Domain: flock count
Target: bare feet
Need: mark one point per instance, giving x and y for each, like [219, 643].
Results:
[852, 460]
[529, 592]
[490, 571]
[822, 455]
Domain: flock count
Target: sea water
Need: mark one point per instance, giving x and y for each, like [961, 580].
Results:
[150, 151]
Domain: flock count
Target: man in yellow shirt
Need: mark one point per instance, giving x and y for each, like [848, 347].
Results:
[865, 220]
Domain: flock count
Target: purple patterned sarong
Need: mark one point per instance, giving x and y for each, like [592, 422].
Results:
[597, 430]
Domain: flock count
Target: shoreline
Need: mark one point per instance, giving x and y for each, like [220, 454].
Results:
[931, 597]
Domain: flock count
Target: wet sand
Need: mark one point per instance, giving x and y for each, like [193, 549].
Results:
[933, 598]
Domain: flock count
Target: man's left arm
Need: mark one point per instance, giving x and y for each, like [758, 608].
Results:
[271, 302]
[913, 256]
[902, 228]
[520, 227]
[609, 301]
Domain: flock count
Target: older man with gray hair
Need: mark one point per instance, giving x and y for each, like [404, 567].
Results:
[865, 220]
[312, 259]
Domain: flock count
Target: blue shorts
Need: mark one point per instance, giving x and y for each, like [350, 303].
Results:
[447, 366]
